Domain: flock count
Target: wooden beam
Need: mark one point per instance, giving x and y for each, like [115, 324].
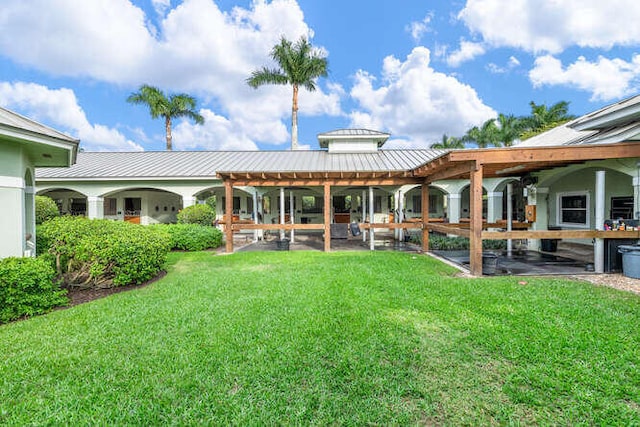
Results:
[447, 229]
[228, 212]
[327, 217]
[522, 155]
[475, 225]
[425, 217]
[451, 171]
[560, 234]
[318, 182]
[288, 226]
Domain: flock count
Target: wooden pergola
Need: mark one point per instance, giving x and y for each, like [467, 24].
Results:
[473, 164]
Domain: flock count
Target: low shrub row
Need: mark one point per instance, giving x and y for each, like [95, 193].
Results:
[192, 237]
[446, 243]
[103, 253]
[28, 287]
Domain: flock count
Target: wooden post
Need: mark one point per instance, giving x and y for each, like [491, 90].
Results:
[228, 216]
[327, 217]
[425, 216]
[475, 226]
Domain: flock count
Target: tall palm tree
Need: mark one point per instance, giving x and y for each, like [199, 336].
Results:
[509, 128]
[449, 143]
[543, 118]
[175, 105]
[483, 136]
[299, 65]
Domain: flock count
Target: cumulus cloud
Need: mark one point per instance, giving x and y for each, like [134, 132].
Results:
[60, 109]
[194, 47]
[605, 79]
[419, 28]
[551, 26]
[496, 69]
[467, 51]
[415, 103]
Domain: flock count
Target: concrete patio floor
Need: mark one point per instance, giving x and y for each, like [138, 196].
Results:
[569, 259]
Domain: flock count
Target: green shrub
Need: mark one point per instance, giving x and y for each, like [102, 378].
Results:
[197, 214]
[446, 243]
[46, 209]
[211, 201]
[192, 237]
[104, 253]
[27, 287]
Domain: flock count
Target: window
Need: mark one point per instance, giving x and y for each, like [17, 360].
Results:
[417, 203]
[110, 205]
[312, 204]
[249, 204]
[573, 209]
[236, 204]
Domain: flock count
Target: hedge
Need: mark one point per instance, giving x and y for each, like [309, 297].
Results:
[197, 214]
[192, 237]
[103, 253]
[46, 209]
[27, 288]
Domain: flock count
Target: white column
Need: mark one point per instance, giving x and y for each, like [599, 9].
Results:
[371, 220]
[95, 207]
[494, 206]
[255, 215]
[509, 216]
[189, 201]
[636, 195]
[453, 208]
[598, 250]
[400, 214]
[396, 213]
[292, 213]
[281, 211]
[364, 212]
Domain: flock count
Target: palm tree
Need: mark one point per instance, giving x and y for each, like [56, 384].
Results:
[483, 136]
[449, 143]
[509, 128]
[299, 65]
[176, 105]
[543, 118]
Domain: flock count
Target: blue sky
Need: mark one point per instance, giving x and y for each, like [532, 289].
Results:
[413, 68]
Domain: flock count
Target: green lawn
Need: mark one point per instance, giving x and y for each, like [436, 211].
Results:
[339, 338]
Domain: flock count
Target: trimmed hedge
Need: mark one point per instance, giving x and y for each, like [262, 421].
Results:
[46, 209]
[192, 237]
[445, 243]
[197, 214]
[103, 253]
[27, 287]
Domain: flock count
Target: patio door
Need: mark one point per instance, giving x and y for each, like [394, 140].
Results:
[132, 209]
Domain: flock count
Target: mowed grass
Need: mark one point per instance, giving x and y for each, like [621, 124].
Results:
[339, 338]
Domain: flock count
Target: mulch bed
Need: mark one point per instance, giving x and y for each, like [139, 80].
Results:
[80, 296]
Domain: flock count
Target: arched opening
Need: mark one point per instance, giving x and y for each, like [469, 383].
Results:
[142, 205]
[465, 203]
[69, 202]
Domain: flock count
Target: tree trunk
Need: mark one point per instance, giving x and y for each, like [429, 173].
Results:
[167, 125]
[294, 119]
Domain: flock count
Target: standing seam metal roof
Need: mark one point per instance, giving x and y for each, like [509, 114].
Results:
[205, 164]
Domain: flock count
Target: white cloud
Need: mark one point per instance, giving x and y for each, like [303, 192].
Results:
[552, 25]
[496, 69]
[416, 103]
[467, 51]
[195, 48]
[605, 78]
[217, 133]
[419, 28]
[60, 109]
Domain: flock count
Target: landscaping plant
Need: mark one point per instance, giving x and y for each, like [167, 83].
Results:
[103, 253]
[192, 237]
[46, 209]
[202, 214]
[27, 287]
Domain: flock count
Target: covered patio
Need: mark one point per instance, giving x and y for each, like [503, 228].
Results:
[474, 165]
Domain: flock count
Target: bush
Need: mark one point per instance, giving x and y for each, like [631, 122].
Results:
[197, 214]
[46, 209]
[103, 253]
[27, 287]
[446, 243]
[192, 237]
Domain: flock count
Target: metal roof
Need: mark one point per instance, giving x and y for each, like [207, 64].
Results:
[14, 120]
[205, 164]
[611, 115]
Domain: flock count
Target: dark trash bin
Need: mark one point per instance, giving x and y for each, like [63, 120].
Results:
[630, 260]
[282, 245]
[489, 263]
[550, 245]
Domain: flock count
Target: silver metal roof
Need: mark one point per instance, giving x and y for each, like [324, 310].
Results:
[354, 132]
[14, 120]
[611, 115]
[204, 164]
